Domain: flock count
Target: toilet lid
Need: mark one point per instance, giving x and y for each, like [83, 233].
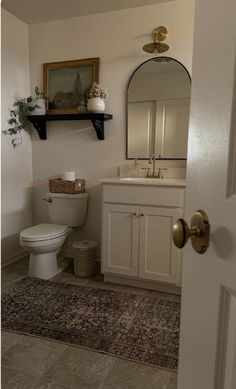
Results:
[43, 231]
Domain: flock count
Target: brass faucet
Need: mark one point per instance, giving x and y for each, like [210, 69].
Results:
[152, 159]
[159, 173]
[153, 174]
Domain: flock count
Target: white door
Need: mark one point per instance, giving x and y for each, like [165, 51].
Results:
[120, 239]
[208, 325]
[159, 259]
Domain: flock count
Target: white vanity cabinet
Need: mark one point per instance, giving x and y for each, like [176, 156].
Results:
[137, 225]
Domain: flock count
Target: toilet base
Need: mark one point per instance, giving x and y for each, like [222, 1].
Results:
[44, 266]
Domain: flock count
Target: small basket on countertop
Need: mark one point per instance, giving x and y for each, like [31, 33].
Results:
[57, 185]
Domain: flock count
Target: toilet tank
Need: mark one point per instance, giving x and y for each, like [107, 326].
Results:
[67, 209]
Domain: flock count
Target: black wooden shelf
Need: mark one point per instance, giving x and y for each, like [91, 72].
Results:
[97, 119]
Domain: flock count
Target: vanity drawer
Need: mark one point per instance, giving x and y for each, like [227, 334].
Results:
[139, 194]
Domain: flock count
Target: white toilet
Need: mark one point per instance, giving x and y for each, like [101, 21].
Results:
[44, 241]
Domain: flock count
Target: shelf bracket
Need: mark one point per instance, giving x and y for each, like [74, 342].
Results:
[40, 126]
[99, 128]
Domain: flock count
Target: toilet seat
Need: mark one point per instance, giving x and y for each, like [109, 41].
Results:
[42, 232]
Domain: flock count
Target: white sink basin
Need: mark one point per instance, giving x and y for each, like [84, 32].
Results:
[157, 181]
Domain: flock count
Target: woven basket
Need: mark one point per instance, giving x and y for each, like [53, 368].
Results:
[57, 185]
[85, 254]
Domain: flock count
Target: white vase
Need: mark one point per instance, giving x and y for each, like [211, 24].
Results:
[96, 104]
[41, 110]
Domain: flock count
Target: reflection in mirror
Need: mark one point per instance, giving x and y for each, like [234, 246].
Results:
[158, 100]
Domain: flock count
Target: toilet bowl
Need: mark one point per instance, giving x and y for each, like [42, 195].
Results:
[45, 240]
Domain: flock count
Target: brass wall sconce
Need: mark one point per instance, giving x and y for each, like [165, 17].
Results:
[159, 34]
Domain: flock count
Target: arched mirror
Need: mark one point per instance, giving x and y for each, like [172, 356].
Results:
[158, 100]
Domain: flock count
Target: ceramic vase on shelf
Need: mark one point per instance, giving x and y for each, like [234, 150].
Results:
[96, 104]
[41, 109]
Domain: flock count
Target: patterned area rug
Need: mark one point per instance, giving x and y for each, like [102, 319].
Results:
[140, 328]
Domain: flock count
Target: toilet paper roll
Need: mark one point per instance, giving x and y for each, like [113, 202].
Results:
[68, 176]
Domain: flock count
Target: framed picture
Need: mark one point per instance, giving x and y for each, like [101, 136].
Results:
[66, 84]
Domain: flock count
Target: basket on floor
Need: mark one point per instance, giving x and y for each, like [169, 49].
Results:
[57, 185]
[85, 255]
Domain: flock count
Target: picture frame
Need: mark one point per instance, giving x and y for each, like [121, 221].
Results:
[65, 84]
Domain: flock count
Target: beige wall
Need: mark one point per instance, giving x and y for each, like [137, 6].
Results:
[117, 38]
[16, 163]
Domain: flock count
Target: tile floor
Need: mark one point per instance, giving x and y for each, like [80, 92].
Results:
[29, 362]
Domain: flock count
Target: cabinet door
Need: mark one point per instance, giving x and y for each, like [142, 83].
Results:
[120, 239]
[159, 259]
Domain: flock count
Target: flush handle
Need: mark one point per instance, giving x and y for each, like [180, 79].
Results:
[198, 232]
[49, 200]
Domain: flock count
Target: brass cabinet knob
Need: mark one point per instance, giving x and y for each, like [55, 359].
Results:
[198, 232]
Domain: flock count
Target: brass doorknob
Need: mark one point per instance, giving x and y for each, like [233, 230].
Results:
[198, 232]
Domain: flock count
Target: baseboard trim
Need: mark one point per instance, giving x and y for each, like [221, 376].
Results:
[143, 284]
[13, 258]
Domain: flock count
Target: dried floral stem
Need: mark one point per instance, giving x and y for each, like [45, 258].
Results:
[97, 90]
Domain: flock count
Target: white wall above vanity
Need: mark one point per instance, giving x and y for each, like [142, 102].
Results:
[137, 218]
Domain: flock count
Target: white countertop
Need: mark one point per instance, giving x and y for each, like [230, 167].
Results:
[144, 181]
